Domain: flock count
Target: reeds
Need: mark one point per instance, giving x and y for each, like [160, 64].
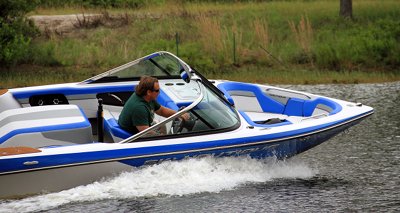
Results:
[223, 42]
[303, 33]
[211, 34]
[261, 32]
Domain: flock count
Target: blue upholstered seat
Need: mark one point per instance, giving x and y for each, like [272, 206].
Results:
[300, 107]
[267, 104]
[111, 126]
[310, 105]
[293, 107]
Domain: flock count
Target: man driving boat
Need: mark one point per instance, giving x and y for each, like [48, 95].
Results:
[138, 112]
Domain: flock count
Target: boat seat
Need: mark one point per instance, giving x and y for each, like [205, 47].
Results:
[267, 103]
[40, 126]
[306, 108]
[112, 127]
[311, 105]
[294, 107]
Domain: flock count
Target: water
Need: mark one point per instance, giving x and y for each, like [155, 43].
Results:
[357, 171]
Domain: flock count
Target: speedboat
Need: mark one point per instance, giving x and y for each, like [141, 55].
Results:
[60, 136]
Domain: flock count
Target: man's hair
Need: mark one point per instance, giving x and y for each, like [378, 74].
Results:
[146, 83]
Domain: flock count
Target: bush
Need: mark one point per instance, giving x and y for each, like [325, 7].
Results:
[372, 45]
[15, 30]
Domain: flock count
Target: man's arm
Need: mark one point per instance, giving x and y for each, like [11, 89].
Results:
[141, 128]
[166, 112]
[151, 133]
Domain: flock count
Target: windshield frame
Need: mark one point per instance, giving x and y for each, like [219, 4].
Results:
[176, 115]
[138, 137]
[108, 77]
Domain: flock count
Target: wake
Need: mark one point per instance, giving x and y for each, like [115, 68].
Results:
[173, 178]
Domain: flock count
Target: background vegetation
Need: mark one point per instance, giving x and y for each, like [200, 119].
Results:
[263, 41]
[15, 30]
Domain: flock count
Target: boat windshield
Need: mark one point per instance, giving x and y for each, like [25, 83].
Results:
[161, 65]
[207, 114]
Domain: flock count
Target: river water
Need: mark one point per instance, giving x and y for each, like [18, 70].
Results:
[357, 171]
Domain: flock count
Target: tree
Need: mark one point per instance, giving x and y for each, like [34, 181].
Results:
[15, 30]
[346, 8]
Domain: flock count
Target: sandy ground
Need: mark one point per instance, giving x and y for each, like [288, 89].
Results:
[64, 23]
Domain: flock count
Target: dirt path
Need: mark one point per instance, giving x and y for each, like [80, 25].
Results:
[64, 23]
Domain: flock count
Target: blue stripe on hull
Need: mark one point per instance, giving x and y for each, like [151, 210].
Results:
[281, 149]
[139, 156]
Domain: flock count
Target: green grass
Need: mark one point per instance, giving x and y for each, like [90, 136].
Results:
[37, 75]
[365, 49]
[300, 76]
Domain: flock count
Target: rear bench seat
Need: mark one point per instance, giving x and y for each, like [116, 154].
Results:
[41, 126]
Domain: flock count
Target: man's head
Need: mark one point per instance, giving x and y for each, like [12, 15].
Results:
[148, 87]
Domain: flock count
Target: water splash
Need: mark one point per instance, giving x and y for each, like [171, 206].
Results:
[170, 178]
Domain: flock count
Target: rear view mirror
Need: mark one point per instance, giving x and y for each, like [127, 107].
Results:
[185, 75]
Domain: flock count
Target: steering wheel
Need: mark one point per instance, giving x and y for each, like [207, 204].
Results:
[179, 123]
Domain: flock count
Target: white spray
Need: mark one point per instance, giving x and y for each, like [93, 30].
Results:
[170, 178]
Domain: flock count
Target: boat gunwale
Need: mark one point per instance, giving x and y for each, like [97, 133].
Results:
[340, 123]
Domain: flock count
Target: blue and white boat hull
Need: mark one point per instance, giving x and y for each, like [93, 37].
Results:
[48, 134]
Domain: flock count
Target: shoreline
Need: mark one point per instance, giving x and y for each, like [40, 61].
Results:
[28, 75]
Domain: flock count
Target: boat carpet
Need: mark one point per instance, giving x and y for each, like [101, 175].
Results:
[3, 91]
[17, 150]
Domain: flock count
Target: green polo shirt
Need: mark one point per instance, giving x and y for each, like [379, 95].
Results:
[137, 112]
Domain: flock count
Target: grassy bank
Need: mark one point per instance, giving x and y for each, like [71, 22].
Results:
[224, 41]
[38, 75]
